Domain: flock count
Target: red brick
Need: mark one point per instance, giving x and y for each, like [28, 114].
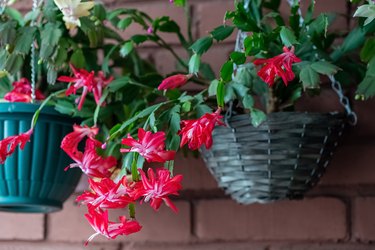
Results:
[311, 219]
[16, 226]
[195, 172]
[364, 219]
[211, 15]
[199, 246]
[366, 121]
[70, 224]
[351, 165]
[54, 246]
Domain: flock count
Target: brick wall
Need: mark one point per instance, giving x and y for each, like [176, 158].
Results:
[337, 215]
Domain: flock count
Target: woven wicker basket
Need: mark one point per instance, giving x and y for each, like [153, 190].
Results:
[281, 159]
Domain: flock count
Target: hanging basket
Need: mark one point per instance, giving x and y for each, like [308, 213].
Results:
[281, 159]
[33, 180]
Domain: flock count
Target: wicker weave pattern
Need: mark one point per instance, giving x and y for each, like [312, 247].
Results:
[281, 159]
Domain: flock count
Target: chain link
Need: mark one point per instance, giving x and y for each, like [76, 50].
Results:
[33, 61]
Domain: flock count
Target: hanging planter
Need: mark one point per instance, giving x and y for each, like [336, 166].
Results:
[33, 180]
[281, 159]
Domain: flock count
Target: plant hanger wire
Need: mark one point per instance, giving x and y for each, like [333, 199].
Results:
[335, 85]
[33, 61]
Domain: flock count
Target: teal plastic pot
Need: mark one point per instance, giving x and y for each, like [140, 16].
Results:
[33, 180]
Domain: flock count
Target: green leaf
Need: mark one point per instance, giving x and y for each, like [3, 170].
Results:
[15, 14]
[179, 3]
[222, 32]
[100, 12]
[368, 50]
[8, 32]
[126, 48]
[51, 75]
[367, 87]
[226, 71]
[248, 102]
[254, 44]
[220, 94]
[325, 68]
[118, 83]
[186, 106]
[238, 57]
[212, 89]
[287, 37]
[257, 117]
[194, 64]
[309, 78]
[25, 39]
[319, 25]
[14, 64]
[202, 45]
[78, 59]
[138, 39]
[50, 34]
[175, 119]
[124, 23]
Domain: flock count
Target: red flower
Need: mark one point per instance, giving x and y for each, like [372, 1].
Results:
[8, 145]
[99, 221]
[88, 82]
[198, 132]
[106, 194]
[70, 142]
[173, 82]
[82, 79]
[158, 188]
[280, 65]
[92, 164]
[100, 84]
[22, 92]
[150, 146]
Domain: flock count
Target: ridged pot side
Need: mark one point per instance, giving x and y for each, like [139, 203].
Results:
[281, 159]
[33, 180]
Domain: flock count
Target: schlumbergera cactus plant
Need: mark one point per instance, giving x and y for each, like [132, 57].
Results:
[88, 67]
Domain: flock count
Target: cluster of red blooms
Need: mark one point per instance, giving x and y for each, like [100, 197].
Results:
[153, 188]
[21, 92]
[106, 193]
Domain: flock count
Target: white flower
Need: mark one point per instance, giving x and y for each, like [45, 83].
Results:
[73, 10]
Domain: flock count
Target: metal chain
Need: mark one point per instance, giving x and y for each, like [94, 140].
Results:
[336, 85]
[33, 60]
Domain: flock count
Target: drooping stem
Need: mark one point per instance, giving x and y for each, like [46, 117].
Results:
[272, 105]
[135, 175]
[44, 103]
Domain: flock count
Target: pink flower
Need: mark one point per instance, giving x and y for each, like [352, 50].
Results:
[82, 79]
[150, 146]
[8, 145]
[280, 65]
[70, 142]
[99, 221]
[22, 92]
[106, 194]
[150, 30]
[157, 188]
[92, 164]
[198, 132]
[173, 82]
